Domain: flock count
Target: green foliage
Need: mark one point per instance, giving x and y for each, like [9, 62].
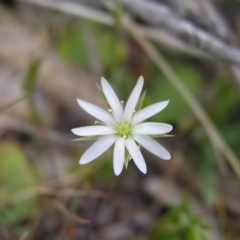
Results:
[111, 49]
[224, 98]
[232, 135]
[113, 52]
[179, 224]
[160, 89]
[29, 88]
[207, 170]
[72, 46]
[31, 76]
[15, 176]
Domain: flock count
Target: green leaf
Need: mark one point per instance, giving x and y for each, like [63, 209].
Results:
[208, 167]
[16, 175]
[179, 223]
[72, 46]
[29, 87]
[160, 89]
[31, 76]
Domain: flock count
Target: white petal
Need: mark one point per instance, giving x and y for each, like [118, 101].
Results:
[118, 155]
[112, 98]
[98, 148]
[149, 111]
[97, 112]
[133, 99]
[152, 128]
[92, 130]
[136, 155]
[152, 146]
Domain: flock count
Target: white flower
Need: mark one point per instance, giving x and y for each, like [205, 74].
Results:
[123, 127]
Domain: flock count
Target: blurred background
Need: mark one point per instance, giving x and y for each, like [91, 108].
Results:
[52, 52]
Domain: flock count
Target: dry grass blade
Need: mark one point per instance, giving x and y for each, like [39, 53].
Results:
[64, 211]
[53, 192]
[4, 108]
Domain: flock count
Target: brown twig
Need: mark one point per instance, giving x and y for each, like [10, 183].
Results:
[64, 211]
[160, 15]
[204, 45]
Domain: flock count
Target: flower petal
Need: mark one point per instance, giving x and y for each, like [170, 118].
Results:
[112, 98]
[133, 99]
[136, 155]
[98, 148]
[97, 112]
[152, 128]
[148, 112]
[92, 130]
[118, 155]
[152, 146]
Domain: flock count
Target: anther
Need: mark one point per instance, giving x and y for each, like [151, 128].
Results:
[110, 110]
[134, 110]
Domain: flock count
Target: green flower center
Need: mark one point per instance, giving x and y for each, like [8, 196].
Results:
[124, 130]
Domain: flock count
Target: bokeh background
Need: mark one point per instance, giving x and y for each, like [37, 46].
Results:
[52, 52]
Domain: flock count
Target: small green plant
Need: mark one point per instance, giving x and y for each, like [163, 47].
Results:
[180, 224]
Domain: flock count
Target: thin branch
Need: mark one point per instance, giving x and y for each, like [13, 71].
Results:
[74, 9]
[52, 192]
[12, 103]
[28, 128]
[65, 212]
[160, 15]
[160, 36]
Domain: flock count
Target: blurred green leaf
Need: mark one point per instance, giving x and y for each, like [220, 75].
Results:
[179, 223]
[29, 87]
[15, 176]
[113, 51]
[160, 89]
[208, 169]
[224, 98]
[31, 76]
[72, 46]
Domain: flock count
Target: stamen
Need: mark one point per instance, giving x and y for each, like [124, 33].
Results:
[110, 110]
[134, 110]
